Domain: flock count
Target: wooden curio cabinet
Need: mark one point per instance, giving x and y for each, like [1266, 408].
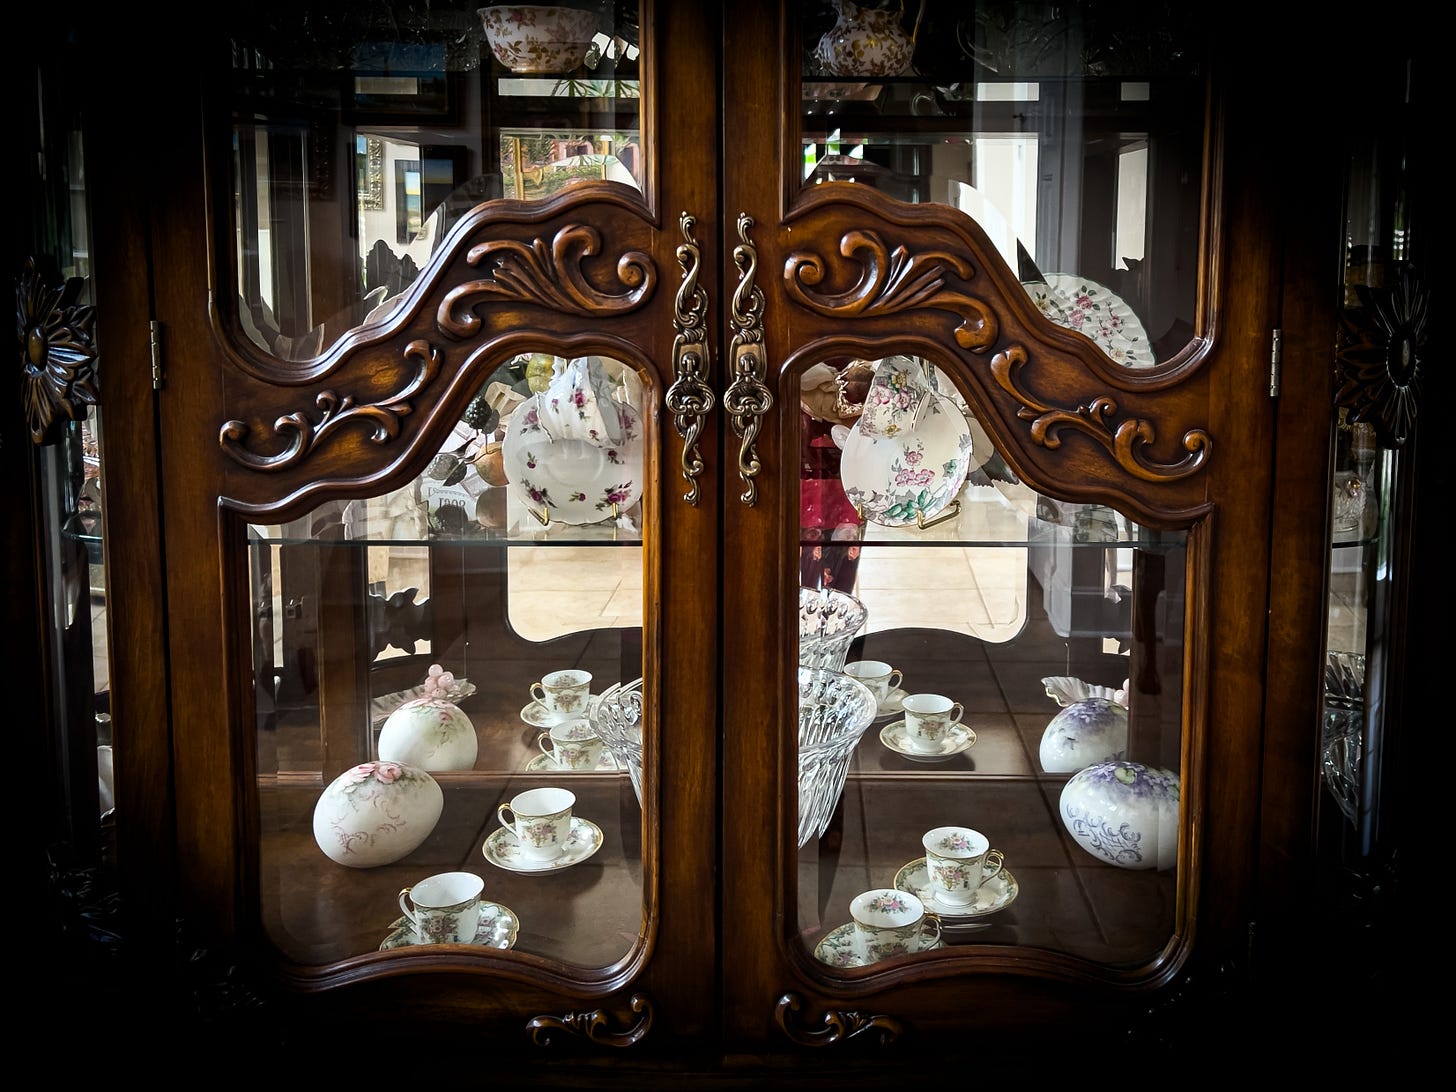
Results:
[664, 362]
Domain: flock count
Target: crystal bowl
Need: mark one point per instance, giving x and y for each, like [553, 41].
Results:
[828, 621]
[617, 718]
[834, 711]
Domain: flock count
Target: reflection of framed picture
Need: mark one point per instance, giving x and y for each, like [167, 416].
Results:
[369, 156]
[400, 84]
[422, 185]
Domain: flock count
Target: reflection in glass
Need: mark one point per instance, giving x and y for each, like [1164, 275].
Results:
[355, 150]
[1075, 142]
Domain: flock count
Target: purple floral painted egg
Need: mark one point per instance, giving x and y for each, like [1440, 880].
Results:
[1124, 812]
[431, 733]
[376, 813]
[1086, 731]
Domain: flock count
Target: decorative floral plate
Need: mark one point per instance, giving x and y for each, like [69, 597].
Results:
[994, 895]
[958, 738]
[573, 479]
[837, 948]
[914, 473]
[1095, 310]
[503, 849]
[497, 929]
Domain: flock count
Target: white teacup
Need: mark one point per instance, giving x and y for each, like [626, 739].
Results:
[891, 922]
[928, 717]
[444, 908]
[574, 745]
[564, 694]
[540, 819]
[958, 861]
[880, 677]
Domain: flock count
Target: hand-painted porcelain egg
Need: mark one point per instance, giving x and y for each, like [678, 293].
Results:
[1124, 812]
[1086, 731]
[376, 813]
[431, 733]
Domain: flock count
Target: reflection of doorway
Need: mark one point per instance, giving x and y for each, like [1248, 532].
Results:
[422, 185]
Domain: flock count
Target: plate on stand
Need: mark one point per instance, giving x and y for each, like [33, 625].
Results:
[913, 474]
[995, 895]
[958, 738]
[837, 948]
[497, 929]
[503, 849]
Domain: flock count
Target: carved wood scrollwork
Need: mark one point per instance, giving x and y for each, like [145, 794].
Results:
[1125, 442]
[593, 1025]
[838, 1025]
[549, 274]
[894, 280]
[336, 412]
[57, 353]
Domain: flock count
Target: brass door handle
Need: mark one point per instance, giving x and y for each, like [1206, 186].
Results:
[690, 399]
[747, 398]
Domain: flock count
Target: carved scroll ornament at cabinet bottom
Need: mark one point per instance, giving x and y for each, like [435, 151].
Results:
[593, 1025]
[837, 1024]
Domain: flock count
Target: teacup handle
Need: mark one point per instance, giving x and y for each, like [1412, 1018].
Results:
[895, 678]
[404, 905]
[957, 710]
[503, 810]
[927, 940]
[547, 745]
[991, 866]
[538, 691]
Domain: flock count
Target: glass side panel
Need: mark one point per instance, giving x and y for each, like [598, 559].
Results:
[1073, 139]
[359, 141]
[1021, 662]
[424, 656]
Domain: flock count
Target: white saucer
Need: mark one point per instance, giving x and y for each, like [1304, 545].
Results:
[891, 706]
[959, 738]
[995, 894]
[536, 716]
[547, 764]
[837, 948]
[497, 929]
[503, 848]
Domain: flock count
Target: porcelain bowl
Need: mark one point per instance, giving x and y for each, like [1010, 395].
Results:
[527, 38]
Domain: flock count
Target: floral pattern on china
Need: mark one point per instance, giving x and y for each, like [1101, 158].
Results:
[1095, 310]
[909, 453]
[572, 452]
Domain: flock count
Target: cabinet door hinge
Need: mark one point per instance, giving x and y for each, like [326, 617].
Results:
[156, 328]
[1276, 356]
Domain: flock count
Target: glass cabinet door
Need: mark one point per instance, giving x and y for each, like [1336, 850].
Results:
[980, 300]
[446, 652]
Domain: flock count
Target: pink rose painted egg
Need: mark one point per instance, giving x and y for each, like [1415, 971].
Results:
[376, 813]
